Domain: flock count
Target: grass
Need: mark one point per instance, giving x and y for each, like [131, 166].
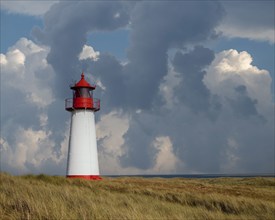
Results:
[53, 197]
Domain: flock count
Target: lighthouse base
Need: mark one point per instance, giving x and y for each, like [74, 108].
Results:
[86, 177]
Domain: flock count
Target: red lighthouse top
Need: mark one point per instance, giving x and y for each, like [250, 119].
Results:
[82, 97]
[82, 83]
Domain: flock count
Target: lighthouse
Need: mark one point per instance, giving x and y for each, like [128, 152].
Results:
[82, 159]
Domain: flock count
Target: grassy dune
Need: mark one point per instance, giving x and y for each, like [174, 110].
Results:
[50, 197]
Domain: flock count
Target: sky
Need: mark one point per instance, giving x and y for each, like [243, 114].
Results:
[186, 87]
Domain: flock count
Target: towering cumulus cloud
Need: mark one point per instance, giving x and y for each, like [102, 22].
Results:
[66, 28]
[174, 106]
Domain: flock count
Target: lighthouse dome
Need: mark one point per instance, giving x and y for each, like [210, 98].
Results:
[82, 83]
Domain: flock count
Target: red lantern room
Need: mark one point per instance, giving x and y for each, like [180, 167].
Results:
[82, 96]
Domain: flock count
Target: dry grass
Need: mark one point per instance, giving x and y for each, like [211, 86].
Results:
[50, 197]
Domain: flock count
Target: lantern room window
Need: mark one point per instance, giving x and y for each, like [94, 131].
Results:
[82, 92]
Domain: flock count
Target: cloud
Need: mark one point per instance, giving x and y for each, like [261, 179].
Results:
[148, 57]
[191, 90]
[32, 8]
[26, 94]
[110, 135]
[210, 132]
[232, 69]
[166, 160]
[174, 107]
[110, 130]
[21, 71]
[249, 19]
[65, 30]
[88, 53]
[29, 150]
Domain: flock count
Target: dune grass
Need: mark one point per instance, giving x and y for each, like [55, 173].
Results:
[53, 197]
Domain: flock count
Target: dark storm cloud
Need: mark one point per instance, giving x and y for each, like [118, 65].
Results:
[243, 106]
[243, 13]
[13, 114]
[256, 149]
[56, 115]
[155, 28]
[192, 132]
[138, 142]
[203, 144]
[191, 91]
[110, 72]
[65, 30]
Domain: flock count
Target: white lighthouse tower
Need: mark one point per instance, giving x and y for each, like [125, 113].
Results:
[82, 155]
